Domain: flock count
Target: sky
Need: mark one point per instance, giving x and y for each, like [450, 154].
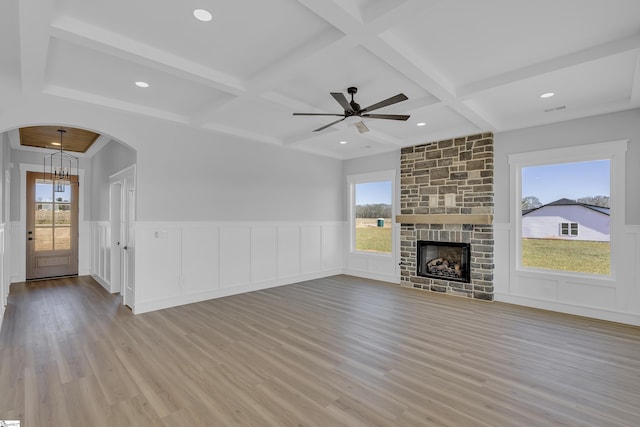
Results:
[570, 180]
[371, 193]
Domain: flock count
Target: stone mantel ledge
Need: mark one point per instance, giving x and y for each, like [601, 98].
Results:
[479, 219]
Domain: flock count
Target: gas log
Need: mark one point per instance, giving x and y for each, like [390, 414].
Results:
[444, 267]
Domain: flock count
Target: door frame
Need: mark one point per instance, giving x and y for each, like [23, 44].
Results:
[121, 260]
[19, 243]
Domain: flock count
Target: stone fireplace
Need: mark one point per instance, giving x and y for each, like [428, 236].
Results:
[447, 200]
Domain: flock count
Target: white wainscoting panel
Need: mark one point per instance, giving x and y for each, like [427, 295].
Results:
[331, 246]
[18, 251]
[289, 253]
[4, 283]
[158, 258]
[615, 298]
[235, 256]
[264, 253]
[311, 248]
[101, 253]
[370, 265]
[200, 259]
[180, 263]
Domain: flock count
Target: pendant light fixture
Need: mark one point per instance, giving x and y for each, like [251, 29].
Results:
[58, 168]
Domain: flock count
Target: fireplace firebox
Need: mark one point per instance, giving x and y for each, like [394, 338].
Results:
[444, 260]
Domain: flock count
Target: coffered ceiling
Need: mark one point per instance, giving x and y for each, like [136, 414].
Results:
[466, 65]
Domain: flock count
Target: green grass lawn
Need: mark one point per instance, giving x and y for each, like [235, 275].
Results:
[567, 255]
[370, 238]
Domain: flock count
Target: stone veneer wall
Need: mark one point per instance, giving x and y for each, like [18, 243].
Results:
[460, 166]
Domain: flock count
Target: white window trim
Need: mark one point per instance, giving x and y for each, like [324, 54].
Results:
[614, 151]
[570, 227]
[352, 180]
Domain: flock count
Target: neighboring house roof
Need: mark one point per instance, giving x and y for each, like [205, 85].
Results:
[569, 202]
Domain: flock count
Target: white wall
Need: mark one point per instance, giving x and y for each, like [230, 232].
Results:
[614, 298]
[5, 235]
[112, 158]
[186, 176]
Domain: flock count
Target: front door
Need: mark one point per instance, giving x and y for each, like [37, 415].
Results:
[52, 227]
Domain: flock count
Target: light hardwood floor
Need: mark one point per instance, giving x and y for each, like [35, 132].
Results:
[329, 352]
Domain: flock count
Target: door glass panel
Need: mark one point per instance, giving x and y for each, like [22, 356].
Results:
[44, 238]
[62, 236]
[44, 191]
[63, 214]
[44, 213]
[65, 195]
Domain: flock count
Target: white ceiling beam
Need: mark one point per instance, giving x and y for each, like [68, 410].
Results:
[260, 86]
[555, 64]
[241, 133]
[314, 52]
[103, 101]
[568, 114]
[635, 87]
[81, 33]
[34, 16]
[397, 56]
[369, 36]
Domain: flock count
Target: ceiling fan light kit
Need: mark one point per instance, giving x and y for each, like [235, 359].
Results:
[352, 109]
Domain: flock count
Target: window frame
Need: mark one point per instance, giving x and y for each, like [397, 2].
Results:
[569, 229]
[363, 178]
[614, 151]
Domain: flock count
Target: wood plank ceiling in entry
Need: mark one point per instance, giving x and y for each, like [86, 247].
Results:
[76, 140]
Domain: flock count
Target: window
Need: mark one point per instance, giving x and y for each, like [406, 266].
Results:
[567, 213]
[568, 228]
[371, 212]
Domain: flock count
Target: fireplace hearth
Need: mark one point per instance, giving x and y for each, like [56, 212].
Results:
[444, 260]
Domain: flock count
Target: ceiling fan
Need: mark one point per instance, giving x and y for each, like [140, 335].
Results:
[352, 109]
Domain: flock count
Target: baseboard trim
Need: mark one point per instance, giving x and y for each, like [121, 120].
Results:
[373, 276]
[147, 306]
[106, 285]
[594, 313]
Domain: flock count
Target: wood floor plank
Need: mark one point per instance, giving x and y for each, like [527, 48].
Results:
[327, 352]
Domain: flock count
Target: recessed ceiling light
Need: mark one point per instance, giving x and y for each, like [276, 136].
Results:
[55, 143]
[343, 142]
[202, 15]
[421, 124]
[142, 84]
[547, 95]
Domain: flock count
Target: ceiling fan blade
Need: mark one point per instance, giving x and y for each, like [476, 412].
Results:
[342, 100]
[330, 124]
[317, 114]
[389, 101]
[387, 116]
[362, 128]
